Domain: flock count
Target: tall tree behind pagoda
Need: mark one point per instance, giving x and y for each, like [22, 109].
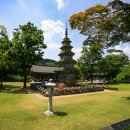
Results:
[90, 57]
[124, 74]
[111, 64]
[108, 24]
[27, 47]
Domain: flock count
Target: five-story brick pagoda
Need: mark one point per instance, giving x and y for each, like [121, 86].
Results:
[67, 74]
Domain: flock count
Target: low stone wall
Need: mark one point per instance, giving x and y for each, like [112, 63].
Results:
[69, 90]
[78, 90]
[34, 85]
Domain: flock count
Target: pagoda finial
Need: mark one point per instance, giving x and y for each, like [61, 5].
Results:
[66, 31]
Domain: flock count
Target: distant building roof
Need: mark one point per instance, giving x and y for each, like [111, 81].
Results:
[44, 69]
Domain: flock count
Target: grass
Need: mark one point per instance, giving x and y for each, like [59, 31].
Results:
[22, 111]
[14, 84]
[121, 86]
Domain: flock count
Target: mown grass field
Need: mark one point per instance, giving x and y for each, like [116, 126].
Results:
[22, 111]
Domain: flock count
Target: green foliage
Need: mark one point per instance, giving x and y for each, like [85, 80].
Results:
[110, 88]
[121, 86]
[90, 57]
[15, 78]
[27, 47]
[126, 127]
[108, 25]
[124, 74]
[5, 45]
[111, 64]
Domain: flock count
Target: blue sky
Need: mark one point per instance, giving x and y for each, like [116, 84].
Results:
[50, 16]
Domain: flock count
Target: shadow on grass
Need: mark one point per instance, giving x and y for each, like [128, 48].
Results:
[114, 83]
[127, 98]
[61, 113]
[15, 90]
[107, 84]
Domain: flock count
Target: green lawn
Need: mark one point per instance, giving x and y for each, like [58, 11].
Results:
[22, 111]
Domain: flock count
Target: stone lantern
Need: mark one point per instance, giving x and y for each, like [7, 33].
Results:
[50, 92]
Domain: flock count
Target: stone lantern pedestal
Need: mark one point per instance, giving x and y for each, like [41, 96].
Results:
[50, 92]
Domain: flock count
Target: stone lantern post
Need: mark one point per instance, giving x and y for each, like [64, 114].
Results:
[50, 92]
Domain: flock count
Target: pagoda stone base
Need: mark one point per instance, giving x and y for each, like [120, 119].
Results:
[68, 79]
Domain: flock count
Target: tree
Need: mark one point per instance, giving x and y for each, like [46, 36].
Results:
[27, 47]
[107, 24]
[4, 49]
[124, 74]
[90, 57]
[112, 63]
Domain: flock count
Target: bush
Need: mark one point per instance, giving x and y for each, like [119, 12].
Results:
[110, 88]
[15, 78]
[126, 128]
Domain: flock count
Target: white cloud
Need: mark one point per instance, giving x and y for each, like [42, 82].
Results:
[53, 46]
[61, 4]
[52, 28]
[77, 52]
[53, 32]
[125, 49]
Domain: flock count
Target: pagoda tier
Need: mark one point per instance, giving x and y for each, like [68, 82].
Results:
[66, 39]
[64, 61]
[66, 54]
[66, 47]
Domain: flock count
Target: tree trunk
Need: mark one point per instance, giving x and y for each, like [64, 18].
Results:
[83, 78]
[91, 78]
[1, 77]
[24, 77]
[1, 83]
[91, 74]
[24, 81]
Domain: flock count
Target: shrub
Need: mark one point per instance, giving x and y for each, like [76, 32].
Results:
[110, 88]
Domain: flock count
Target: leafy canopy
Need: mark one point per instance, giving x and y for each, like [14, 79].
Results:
[112, 63]
[90, 56]
[5, 45]
[108, 24]
[28, 44]
[4, 42]
[124, 74]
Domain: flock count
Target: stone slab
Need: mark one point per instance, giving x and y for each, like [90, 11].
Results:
[118, 125]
